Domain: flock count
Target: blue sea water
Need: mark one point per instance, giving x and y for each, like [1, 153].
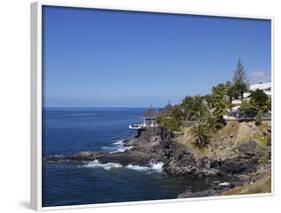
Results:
[72, 130]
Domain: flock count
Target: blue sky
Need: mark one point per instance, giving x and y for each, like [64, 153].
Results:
[103, 58]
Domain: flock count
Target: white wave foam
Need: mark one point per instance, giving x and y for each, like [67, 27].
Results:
[119, 142]
[224, 184]
[122, 149]
[106, 166]
[157, 167]
[119, 146]
[108, 148]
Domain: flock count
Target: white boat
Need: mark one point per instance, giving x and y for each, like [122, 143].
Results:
[136, 126]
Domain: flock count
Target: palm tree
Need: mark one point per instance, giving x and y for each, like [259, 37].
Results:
[202, 135]
[219, 101]
[231, 93]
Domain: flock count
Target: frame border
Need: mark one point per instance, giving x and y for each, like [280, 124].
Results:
[36, 100]
[36, 106]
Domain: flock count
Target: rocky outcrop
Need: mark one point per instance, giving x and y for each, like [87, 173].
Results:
[186, 164]
[158, 144]
[149, 134]
[181, 161]
[241, 169]
[245, 162]
[248, 149]
[146, 148]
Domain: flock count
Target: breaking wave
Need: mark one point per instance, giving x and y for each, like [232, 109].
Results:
[97, 164]
[119, 142]
[157, 167]
[122, 149]
[118, 146]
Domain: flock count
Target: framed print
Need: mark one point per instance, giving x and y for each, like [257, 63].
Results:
[137, 106]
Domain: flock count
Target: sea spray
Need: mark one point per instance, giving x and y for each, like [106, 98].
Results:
[119, 142]
[118, 146]
[157, 167]
[97, 164]
[152, 166]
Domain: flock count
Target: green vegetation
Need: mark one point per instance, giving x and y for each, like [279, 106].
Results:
[231, 93]
[257, 104]
[262, 185]
[260, 101]
[219, 101]
[259, 118]
[202, 135]
[204, 130]
[263, 153]
[246, 109]
[208, 111]
[172, 123]
[263, 140]
[193, 108]
[240, 82]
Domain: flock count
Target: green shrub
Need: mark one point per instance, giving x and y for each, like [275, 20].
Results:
[170, 123]
[202, 135]
[259, 118]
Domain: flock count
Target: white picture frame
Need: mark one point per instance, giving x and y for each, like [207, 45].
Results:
[36, 99]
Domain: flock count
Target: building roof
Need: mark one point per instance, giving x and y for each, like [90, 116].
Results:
[266, 87]
[150, 113]
[168, 106]
[166, 111]
[262, 86]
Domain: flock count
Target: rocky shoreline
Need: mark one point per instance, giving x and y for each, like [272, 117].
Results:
[152, 145]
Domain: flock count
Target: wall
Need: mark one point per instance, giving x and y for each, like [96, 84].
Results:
[15, 107]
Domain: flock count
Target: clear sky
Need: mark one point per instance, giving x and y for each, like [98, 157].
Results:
[103, 58]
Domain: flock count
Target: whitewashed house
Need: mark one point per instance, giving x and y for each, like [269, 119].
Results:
[266, 87]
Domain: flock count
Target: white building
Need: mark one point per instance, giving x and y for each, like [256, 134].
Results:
[266, 87]
[150, 117]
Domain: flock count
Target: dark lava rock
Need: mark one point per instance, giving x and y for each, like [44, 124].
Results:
[55, 158]
[238, 166]
[182, 163]
[203, 163]
[214, 190]
[85, 156]
[203, 168]
[205, 193]
[130, 157]
[247, 150]
[145, 135]
[156, 144]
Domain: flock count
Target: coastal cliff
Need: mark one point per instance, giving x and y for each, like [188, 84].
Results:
[240, 152]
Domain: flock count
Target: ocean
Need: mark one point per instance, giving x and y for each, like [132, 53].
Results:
[71, 130]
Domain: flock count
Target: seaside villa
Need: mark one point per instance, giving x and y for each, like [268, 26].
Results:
[150, 117]
[266, 87]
